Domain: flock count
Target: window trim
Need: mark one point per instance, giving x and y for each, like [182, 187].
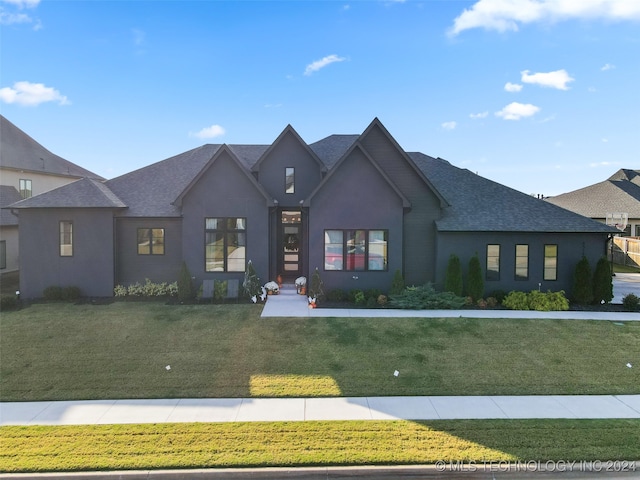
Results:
[150, 238]
[554, 267]
[516, 256]
[489, 273]
[225, 232]
[348, 234]
[61, 238]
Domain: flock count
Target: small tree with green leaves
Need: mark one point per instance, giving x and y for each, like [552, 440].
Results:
[453, 278]
[475, 282]
[251, 284]
[316, 287]
[602, 282]
[186, 290]
[397, 284]
[582, 282]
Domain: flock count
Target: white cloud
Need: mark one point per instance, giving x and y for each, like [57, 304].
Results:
[449, 125]
[13, 17]
[318, 64]
[31, 94]
[516, 111]
[607, 66]
[209, 132]
[23, 3]
[507, 15]
[512, 87]
[557, 79]
[478, 115]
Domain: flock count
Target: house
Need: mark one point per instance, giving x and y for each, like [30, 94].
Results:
[26, 169]
[619, 194]
[356, 207]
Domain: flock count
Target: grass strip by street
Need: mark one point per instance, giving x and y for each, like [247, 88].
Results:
[122, 350]
[202, 445]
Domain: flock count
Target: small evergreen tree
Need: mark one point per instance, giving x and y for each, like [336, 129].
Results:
[397, 285]
[186, 290]
[582, 282]
[602, 282]
[453, 278]
[316, 286]
[475, 282]
[251, 284]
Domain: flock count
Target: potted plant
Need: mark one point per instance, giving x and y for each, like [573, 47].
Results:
[301, 285]
[272, 288]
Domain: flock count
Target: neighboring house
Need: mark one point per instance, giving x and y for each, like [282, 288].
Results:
[26, 169]
[356, 207]
[619, 194]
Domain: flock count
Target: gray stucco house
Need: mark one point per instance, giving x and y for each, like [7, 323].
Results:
[357, 207]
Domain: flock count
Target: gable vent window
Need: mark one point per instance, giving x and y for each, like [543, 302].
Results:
[289, 180]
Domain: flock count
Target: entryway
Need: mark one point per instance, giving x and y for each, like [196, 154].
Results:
[290, 244]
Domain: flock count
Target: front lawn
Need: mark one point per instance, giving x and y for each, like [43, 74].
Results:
[122, 350]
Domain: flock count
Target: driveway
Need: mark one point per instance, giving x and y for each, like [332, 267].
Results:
[625, 283]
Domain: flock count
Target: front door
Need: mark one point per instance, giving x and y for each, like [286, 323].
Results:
[290, 264]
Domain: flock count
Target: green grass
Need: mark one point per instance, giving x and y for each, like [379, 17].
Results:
[67, 352]
[120, 447]
[625, 269]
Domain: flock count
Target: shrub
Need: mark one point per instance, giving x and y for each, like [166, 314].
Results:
[316, 288]
[582, 282]
[336, 295]
[425, 297]
[516, 301]
[382, 300]
[120, 291]
[353, 294]
[631, 302]
[602, 282]
[8, 302]
[220, 290]
[53, 293]
[372, 293]
[492, 302]
[359, 298]
[397, 284]
[475, 283]
[70, 294]
[372, 302]
[453, 277]
[251, 284]
[557, 301]
[498, 295]
[186, 290]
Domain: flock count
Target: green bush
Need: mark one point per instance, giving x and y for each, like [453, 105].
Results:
[583, 282]
[631, 302]
[53, 293]
[56, 293]
[149, 289]
[397, 284]
[353, 294]
[251, 284]
[120, 291]
[372, 302]
[426, 298]
[219, 290]
[475, 283]
[186, 290]
[316, 288]
[71, 294]
[557, 301]
[359, 298]
[336, 295]
[8, 302]
[602, 282]
[516, 301]
[453, 277]
[372, 293]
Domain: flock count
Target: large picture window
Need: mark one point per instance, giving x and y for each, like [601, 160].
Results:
[151, 241]
[66, 238]
[522, 262]
[550, 262]
[225, 244]
[356, 250]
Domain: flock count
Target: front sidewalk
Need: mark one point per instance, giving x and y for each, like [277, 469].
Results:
[103, 412]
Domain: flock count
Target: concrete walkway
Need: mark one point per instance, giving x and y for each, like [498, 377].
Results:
[102, 412]
[289, 304]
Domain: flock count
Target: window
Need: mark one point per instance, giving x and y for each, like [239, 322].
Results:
[25, 188]
[66, 238]
[151, 241]
[493, 262]
[225, 244]
[550, 262]
[3, 254]
[289, 180]
[355, 250]
[522, 262]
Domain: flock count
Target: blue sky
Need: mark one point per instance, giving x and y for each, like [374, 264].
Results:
[540, 95]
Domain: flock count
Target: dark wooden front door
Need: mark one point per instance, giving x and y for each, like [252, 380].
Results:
[290, 243]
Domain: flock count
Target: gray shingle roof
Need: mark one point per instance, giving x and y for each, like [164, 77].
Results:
[8, 195]
[610, 196]
[481, 205]
[248, 154]
[332, 148]
[21, 152]
[83, 193]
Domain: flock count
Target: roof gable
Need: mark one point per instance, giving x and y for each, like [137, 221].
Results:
[21, 152]
[336, 168]
[289, 130]
[596, 200]
[223, 150]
